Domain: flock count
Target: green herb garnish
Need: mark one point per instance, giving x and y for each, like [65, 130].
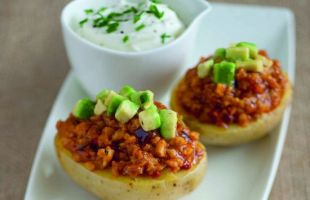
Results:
[156, 1]
[132, 9]
[137, 17]
[140, 27]
[101, 10]
[163, 37]
[88, 11]
[113, 15]
[125, 38]
[111, 20]
[100, 22]
[83, 22]
[154, 10]
[112, 27]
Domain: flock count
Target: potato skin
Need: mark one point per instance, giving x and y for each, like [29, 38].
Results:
[234, 135]
[168, 186]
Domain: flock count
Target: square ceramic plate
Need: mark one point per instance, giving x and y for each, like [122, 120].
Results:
[243, 172]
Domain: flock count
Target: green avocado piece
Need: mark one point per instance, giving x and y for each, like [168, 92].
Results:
[169, 120]
[135, 97]
[220, 53]
[224, 72]
[146, 99]
[84, 109]
[126, 91]
[143, 98]
[251, 65]
[266, 61]
[126, 111]
[204, 68]
[109, 97]
[149, 119]
[153, 107]
[102, 95]
[114, 103]
[238, 53]
[251, 46]
[100, 107]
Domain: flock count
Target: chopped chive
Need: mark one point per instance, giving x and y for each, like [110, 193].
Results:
[83, 22]
[88, 11]
[154, 10]
[140, 27]
[156, 1]
[112, 27]
[100, 22]
[137, 17]
[125, 38]
[101, 10]
[113, 15]
[163, 37]
[132, 9]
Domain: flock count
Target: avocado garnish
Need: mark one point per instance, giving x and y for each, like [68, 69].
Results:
[84, 109]
[127, 104]
[150, 119]
[225, 61]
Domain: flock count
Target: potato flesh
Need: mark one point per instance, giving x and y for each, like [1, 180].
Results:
[233, 135]
[168, 186]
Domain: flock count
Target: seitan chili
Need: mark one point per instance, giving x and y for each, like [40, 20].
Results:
[252, 95]
[102, 142]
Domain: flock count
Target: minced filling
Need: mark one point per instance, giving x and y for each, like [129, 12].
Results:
[102, 142]
[252, 94]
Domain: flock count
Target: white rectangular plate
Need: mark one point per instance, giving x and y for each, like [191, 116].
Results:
[244, 172]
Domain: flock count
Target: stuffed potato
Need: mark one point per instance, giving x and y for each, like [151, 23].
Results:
[245, 104]
[135, 150]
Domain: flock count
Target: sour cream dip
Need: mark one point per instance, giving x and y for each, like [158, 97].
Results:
[129, 25]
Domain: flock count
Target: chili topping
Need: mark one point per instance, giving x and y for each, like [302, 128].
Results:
[240, 100]
[101, 142]
[130, 134]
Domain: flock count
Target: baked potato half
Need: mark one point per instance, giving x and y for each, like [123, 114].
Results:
[234, 96]
[103, 184]
[234, 134]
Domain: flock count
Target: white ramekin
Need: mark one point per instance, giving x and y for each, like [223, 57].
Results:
[98, 67]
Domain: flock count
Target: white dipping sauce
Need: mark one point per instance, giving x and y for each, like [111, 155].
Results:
[135, 26]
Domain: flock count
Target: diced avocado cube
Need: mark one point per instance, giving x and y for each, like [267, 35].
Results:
[224, 72]
[153, 107]
[238, 53]
[149, 119]
[204, 68]
[266, 61]
[251, 46]
[114, 103]
[126, 91]
[143, 98]
[102, 95]
[126, 111]
[146, 99]
[84, 109]
[251, 65]
[109, 97]
[169, 120]
[233, 45]
[135, 97]
[220, 53]
[100, 107]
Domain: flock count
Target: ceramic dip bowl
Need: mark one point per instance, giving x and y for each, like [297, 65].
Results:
[99, 67]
